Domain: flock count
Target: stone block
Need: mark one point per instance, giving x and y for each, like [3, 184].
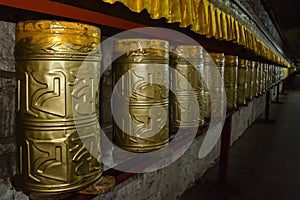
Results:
[7, 111]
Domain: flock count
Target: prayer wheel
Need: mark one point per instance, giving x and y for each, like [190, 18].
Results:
[263, 78]
[279, 72]
[250, 82]
[213, 60]
[268, 85]
[275, 71]
[273, 75]
[258, 78]
[58, 66]
[230, 80]
[188, 62]
[270, 75]
[242, 81]
[255, 80]
[270, 80]
[276, 74]
[140, 81]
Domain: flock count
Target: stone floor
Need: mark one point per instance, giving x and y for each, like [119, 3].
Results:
[265, 162]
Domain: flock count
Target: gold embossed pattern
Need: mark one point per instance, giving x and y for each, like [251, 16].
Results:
[230, 80]
[242, 81]
[213, 60]
[250, 90]
[182, 114]
[259, 77]
[64, 39]
[268, 78]
[144, 61]
[263, 78]
[142, 50]
[256, 79]
[52, 157]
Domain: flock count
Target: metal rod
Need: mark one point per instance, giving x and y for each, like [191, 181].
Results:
[224, 154]
[267, 110]
[277, 93]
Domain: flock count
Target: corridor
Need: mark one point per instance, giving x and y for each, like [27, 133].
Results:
[264, 163]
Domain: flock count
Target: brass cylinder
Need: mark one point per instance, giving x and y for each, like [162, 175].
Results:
[259, 78]
[275, 74]
[272, 71]
[263, 78]
[271, 76]
[279, 71]
[230, 80]
[255, 80]
[267, 76]
[49, 54]
[144, 60]
[211, 60]
[250, 80]
[242, 81]
[188, 62]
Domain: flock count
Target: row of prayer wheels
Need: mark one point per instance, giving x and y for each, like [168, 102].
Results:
[58, 66]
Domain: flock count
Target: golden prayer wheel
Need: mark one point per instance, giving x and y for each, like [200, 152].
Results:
[276, 73]
[279, 71]
[188, 62]
[230, 80]
[270, 83]
[213, 60]
[267, 76]
[255, 79]
[50, 55]
[273, 75]
[144, 104]
[250, 82]
[259, 78]
[263, 77]
[242, 81]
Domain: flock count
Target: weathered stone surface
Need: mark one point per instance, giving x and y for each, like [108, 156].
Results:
[7, 45]
[240, 121]
[7, 111]
[7, 192]
[7, 86]
[7, 114]
[273, 91]
[246, 116]
[7, 166]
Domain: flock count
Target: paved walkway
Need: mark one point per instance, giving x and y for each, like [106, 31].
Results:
[265, 162]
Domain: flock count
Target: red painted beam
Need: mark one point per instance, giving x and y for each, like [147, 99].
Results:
[68, 11]
[72, 12]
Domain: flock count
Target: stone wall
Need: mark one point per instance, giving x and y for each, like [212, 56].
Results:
[246, 116]
[273, 91]
[7, 113]
[169, 182]
[172, 181]
[7, 85]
